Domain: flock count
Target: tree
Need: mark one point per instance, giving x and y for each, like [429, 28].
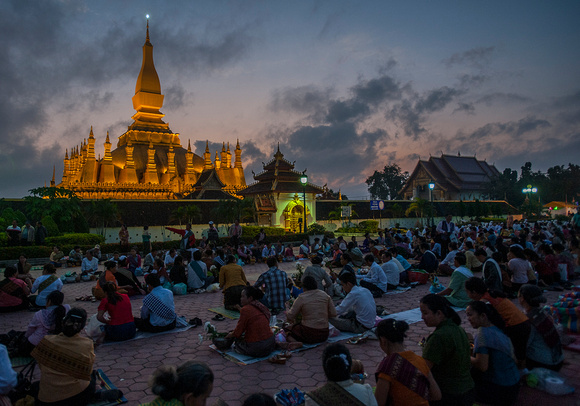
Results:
[504, 187]
[59, 203]
[420, 207]
[232, 209]
[386, 185]
[186, 214]
[102, 213]
[337, 213]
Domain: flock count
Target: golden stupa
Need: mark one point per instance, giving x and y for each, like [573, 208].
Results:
[149, 161]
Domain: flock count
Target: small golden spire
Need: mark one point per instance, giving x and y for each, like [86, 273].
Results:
[238, 144]
[147, 38]
[228, 146]
[91, 135]
[188, 145]
[107, 140]
[223, 147]
[207, 146]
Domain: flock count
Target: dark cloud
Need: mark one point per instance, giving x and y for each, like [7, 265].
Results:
[503, 98]
[477, 57]
[376, 91]
[413, 157]
[436, 100]
[303, 99]
[467, 108]
[176, 97]
[387, 66]
[472, 81]
[340, 111]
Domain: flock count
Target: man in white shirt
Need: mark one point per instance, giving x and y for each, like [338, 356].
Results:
[197, 279]
[375, 280]
[447, 266]
[358, 310]
[391, 270]
[90, 264]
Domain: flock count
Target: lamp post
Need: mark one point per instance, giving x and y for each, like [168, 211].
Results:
[431, 187]
[304, 181]
[528, 190]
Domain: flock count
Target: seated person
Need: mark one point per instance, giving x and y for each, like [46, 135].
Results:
[323, 280]
[158, 310]
[273, 281]
[358, 310]
[66, 366]
[429, 261]
[120, 325]
[252, 333]
[133, 260]
[46, 321]
[8, 376]
[403, 377]
[375, 280]
[494, 369]
[544, 345]
[89, 264]
[190, 383]
[473, 263]
[24, 268]
[316, 308]
[232, 282]
[56, 256]
[97, 253]
[268, 251]
[13, 292]
[197, 277]
[45, 284]
[159, 268]
[111, 269]
[391, 270]
[447, 266]
[516, 324]
[491, 270]
[244, 253]
[340, 389]
[75, 256]
[455, 293]
[355, 253]
[170, 258]
[149, 260]
[178, 273]
[289, 253]
[304, 250]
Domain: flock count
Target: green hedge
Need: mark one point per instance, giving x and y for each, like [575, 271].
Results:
[75, 239]
[252, 231]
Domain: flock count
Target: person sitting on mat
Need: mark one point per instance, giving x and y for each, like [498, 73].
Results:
[45, 284]
[13, 292]
[315, 307]
[120, 325]
[232, 282]
[66, 366]
[358, 310]
[111, 269]
[46, 321]
[252, 333]
[158, 310]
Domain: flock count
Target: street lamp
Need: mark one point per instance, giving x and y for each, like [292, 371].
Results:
[528, 190]
[304, 181]
[431, 187]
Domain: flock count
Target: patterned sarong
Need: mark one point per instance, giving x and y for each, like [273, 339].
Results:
[404, 372]
[63, 360]
[332, 394]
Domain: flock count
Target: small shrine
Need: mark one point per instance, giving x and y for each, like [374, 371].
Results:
[280, 197]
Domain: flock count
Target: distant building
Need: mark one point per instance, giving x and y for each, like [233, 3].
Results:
[455, 178]
[278, 195]
[149, 161]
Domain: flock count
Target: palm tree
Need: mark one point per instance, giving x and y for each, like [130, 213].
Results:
[419, 207]
[101, 214]
[231, 209]
[186, 214]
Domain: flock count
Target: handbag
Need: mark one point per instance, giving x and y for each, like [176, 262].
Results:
[24, 385]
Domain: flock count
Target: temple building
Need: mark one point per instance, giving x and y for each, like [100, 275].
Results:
[149, 161]
[454, 178]
[279, 195]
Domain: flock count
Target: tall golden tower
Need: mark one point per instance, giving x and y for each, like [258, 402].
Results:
[149, 161]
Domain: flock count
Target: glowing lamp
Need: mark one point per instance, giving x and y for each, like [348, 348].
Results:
[304, 179]
[556, 208]
[431, 186]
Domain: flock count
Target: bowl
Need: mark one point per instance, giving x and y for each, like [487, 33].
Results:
[222, 343]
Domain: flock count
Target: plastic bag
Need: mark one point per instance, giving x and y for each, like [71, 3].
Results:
[179, 289]
[548, 381]
[93, 328]
[436, 286]
[214, 287]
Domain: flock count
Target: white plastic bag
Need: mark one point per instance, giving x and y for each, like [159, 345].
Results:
[93, 328]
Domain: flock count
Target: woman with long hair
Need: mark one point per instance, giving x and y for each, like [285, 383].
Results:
[494, 367]
[447, 351]
[120, 325]
[13, 292]
[403, 377]
[46, 321]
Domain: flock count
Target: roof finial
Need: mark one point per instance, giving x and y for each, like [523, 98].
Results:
[147, 39]
[278, 146]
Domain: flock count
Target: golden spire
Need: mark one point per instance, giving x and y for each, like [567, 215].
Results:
[188, 145]
[206, 146]
[53, 181]
[147, 38]
[238, 152]
[91, 135]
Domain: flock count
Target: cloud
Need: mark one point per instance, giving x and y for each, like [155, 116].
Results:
[477, 57]
[467, 108]
[308, 99]
[176, 97]
[472, 81]
[502, 98]
[376, 91]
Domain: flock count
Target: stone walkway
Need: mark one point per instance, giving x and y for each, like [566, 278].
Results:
[130, 364]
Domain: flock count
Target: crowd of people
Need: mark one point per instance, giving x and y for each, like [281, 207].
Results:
[489, 266]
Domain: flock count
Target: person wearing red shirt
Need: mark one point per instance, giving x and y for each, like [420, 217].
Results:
[120, 325]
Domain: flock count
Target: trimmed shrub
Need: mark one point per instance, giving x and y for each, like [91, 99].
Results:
[368, 226]
[75, 239]
[51, 226]
[252, 231]
[316, 228]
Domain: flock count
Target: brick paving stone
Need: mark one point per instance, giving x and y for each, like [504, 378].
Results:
[130, 364]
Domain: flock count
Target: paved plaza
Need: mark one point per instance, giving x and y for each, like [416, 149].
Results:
[129, 364]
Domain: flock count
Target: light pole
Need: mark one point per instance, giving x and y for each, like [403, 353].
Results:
[431, 187]
[304, 181]
[528, 190]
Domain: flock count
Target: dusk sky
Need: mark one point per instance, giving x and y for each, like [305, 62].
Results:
[345, 87]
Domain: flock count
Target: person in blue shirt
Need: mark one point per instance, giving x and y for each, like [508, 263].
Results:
[494, 368]
[158, 310]
[375, 280]
[274, 281]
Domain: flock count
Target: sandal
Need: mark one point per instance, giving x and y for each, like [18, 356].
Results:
[218, 317]
[277, 359]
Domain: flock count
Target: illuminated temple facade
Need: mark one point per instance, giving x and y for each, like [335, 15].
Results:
[149, 161]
